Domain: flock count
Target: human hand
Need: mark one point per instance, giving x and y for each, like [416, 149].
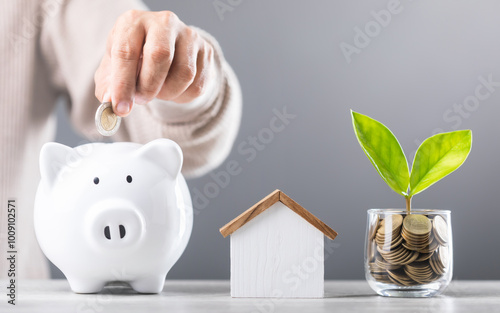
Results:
[152, 55]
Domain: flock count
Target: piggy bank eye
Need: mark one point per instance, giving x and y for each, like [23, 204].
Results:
[96, 180]
[129, 179]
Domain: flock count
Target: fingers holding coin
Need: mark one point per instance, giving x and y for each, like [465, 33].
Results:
[153, 55]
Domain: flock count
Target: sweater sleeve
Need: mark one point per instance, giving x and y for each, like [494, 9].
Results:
[73, 42]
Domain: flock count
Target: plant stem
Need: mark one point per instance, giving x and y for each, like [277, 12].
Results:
[408, 204]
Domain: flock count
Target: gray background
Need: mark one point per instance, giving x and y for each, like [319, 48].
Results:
[287, 53]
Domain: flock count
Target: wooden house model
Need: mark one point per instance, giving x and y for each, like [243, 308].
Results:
[277, 250]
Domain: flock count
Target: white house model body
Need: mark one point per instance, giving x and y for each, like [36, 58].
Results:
[277, 250]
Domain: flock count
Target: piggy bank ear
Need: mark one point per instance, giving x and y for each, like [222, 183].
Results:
[165, 153]
[53, 158]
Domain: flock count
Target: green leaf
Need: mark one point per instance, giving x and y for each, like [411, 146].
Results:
[383, 150]
[437, 157]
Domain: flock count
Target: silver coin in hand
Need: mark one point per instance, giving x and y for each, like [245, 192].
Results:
[106, 120]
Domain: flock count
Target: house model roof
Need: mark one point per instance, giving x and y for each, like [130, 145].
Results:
[266, 203]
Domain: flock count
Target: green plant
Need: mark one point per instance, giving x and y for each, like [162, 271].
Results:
[436, 157]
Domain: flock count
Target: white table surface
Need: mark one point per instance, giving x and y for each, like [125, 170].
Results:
[213, 296]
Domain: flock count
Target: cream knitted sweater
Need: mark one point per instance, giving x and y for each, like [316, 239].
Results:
[51, 48]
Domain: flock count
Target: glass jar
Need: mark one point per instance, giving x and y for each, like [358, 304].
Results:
[408, 254]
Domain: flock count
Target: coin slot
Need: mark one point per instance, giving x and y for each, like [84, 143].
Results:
[107, 233]
[122, 231]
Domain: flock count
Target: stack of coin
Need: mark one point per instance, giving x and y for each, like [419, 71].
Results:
[399, 277]
[439, 261]
[416, 232]
[440, 230]
[398, 256]
[408, 251]
[421, 272]
[379, 272]
[388, 235]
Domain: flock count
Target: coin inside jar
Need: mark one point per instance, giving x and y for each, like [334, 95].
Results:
[106, 120]
[408, 249]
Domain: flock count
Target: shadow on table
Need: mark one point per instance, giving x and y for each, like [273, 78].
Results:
[349, 296]
[472, 289]
[119, 288]
[199, 287]
[171, 288]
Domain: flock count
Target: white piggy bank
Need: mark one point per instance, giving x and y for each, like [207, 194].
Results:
[113, 212]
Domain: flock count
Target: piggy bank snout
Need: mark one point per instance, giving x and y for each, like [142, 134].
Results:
[114, 225]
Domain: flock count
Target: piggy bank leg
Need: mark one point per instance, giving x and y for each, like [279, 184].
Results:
[83, 285]
[150, 284]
